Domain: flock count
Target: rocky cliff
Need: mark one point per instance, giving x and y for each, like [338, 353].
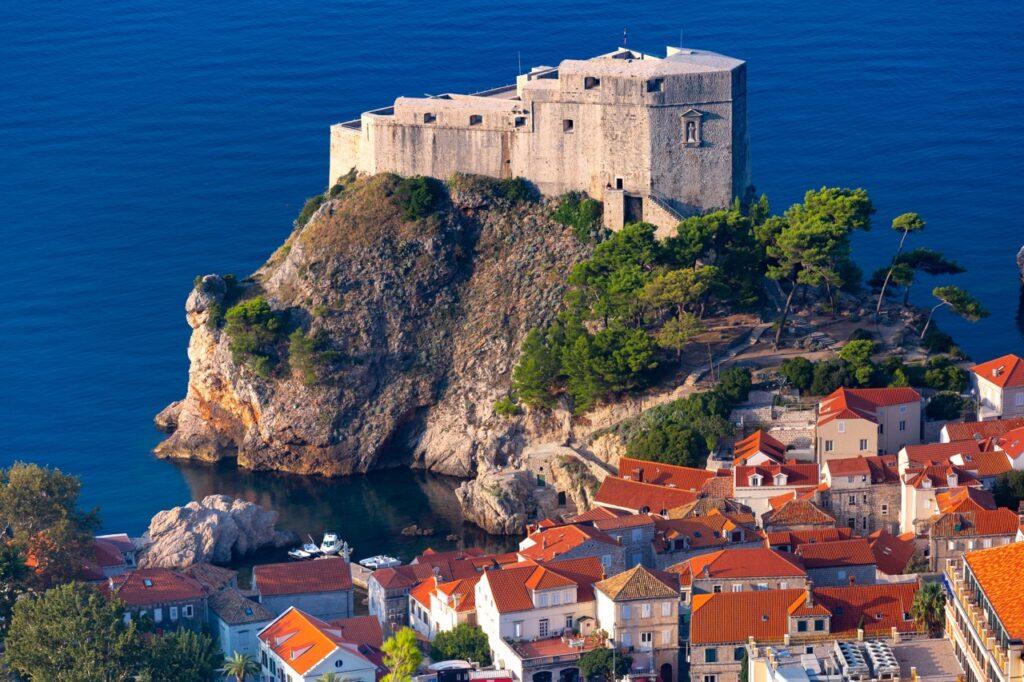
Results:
[417, 324]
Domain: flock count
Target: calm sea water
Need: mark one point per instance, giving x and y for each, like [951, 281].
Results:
[143, 143]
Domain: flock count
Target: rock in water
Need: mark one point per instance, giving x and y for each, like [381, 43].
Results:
[501, 502]
[216, 529]
[1020, 263]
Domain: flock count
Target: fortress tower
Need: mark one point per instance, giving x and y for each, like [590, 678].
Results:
[655, 139]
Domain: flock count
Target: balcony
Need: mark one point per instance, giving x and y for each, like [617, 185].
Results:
[976, 617]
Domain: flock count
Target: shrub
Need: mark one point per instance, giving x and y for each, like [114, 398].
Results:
[830, 375]
[255, 330]
[507, 407]
[215, 313]
[465, 641]
[516, 190]
[303, 356]
[936, 341]
[799, 372]
[943, 375]
[1009, 489]
[857, 355]
[419, 196]
[581, 213]
[308, 209]
[945, 406]
[734, 384]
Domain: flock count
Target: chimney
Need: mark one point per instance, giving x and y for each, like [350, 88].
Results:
[638, 474]
[705, 572]
[110, 583]
[1020, 512]
[809, 595]
[544, 542]
[998, 371]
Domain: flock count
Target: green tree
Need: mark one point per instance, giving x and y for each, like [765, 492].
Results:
[905, 224]
[241, 667]
[537, 373]
[255, 330]
[857, 355]
[401, 656]
[830, 375]
[810, 243]
[308, 209]
[1008, 490]
[613, 360]
[678, 332]
[72, 633]
[465, 642]
[184, 655]
[679, 290]
[943, 375]
[945, 406]
[798, 371]
[670, 443]
[581, 213]
[745, 668]
[929, 607]
[928, 261]
[734, 385]
[598, 663]
[959, 301]
[13, 577]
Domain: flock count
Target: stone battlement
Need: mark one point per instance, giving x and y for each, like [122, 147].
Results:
[654, 138]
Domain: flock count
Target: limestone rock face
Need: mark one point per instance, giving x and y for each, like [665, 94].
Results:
[216, 529]
[420, 324]
[1020, 263]
[502, 502]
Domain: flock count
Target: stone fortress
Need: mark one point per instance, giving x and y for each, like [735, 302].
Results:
[655, 139]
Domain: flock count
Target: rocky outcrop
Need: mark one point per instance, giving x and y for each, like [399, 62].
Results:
[419, 323]
[503, 501]
[1020, 263]
[216, 529]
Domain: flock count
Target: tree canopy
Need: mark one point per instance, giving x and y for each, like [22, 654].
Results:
[401, 656]
[597, 663]
[465, 642]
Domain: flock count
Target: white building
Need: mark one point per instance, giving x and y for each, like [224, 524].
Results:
[297, 646]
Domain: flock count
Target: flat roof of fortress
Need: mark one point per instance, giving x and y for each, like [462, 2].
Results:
[679, 62]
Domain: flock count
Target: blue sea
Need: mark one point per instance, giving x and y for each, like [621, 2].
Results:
[144, 143]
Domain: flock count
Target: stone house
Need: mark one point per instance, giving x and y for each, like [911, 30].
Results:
[792, 512]
[867, 421]
[235, 620]
[653, 138]
[299, 646]
[168, 598]
[574, 541]
[967, 528]
[737, 570]
[838, 563]
[635, 533]
[809, 620]
[639, 609]
[863, 493]
[321, 588]
[679, 539]
[998, 386]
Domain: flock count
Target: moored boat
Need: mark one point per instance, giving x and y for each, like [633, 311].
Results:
[379, 561]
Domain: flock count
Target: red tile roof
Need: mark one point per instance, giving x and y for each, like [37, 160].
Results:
[595, 514]
[797, 474]
[973, 523]
[939, 453]
[878, 469]
[938, 475]
[1006, 371]
[303, 641]
[892, 552]
[795, 538]
[657, 473]
[796, 512]
[360, 630]
[758, 442]
[510, 586]
[459, 594]
[756, 562]
[634, 496]
[711, 530]
[553, 542]
[330, 574]
[620, 522]
[155, 585]
[964, 499]
[984, 464]
[981, 430]
[422, 592]
[883, 607]
[852, 552]
[862, 403]
[998, 571]
[1012, 442]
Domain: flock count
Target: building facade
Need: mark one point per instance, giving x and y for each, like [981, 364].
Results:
[998, 386]
[863, 493]
[653, 138]
[867, 421]
[321, 588]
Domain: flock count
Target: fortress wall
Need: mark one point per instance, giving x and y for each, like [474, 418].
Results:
[741, 171]
[434, 151]
[345, 144]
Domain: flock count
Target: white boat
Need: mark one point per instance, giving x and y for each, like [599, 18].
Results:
[379, 561]
[331, 544]
[299, 554]
[311, 547]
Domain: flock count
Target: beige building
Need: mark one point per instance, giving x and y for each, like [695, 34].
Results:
[864, 493]
[639, 609]
[984, 617]
[998, 386]
[654, 138]
[867, 421]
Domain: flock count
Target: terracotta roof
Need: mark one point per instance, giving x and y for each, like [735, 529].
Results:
[511, 585]
[862, 403]
[234, 608]
[1006, 371]
[640, 583]
[720, 486]
[973, 523]
[213, 578]
[797, 512]
[620, 522]
[758, 442]
[939, 453]
[984, 464]
[460, 594]
[303, 641]
[360, 630]
[595, 514]
[734, 616]
[555, 646]
[883, 607]
[705, 506]
[852, 552]
[634, 496]
[553, 542]
[1012, 442]
[303, 577]
[713, 530]
[892, 552]
[422, 592]
[797, 474]
[397, 577]
[795, 538]
[878, 469]
[964, 499]
[981, 430]
[658, 473]
[754, 562]
[155, 585]
[108, 554]
[998, 571]
[938, 475]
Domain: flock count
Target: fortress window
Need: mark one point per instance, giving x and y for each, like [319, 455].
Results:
[656, 85]
[476, 119]
[429, 118]
[520, 121]
[567, 125]
[589, 83]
